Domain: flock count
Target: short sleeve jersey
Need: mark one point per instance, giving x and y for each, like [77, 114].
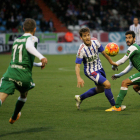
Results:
[89, 55]
[133, 53]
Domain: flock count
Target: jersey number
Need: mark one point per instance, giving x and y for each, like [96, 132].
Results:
[20, 52]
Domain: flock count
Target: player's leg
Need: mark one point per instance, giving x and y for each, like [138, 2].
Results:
[19, 105]
[89, 93]
[7, 88]
[92, 92]
[3, 96]
[132, 80]
[108, 92]
[99, 78]
[137, 88]
[23, 88]
[123, 91]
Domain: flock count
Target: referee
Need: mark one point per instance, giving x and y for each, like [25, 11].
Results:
[136, 28]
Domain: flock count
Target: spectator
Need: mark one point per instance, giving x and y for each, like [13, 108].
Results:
[44, 25]
[51, 25]
[123, 24]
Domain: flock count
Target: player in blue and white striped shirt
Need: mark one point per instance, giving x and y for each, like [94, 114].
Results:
[88, 53]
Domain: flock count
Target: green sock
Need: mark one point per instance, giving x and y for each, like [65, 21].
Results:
[123, 92]
[18, 108]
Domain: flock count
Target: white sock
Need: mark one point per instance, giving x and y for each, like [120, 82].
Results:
[22, 99]
[138, 92]
[0, 102]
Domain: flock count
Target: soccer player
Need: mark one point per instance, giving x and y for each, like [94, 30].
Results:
[133, 54]
[89, 53]
[19, 73]
[136, 28]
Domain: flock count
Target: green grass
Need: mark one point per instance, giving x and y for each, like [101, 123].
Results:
[50, 112]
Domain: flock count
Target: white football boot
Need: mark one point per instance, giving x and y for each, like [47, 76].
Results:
[78, 101]
[123, 107]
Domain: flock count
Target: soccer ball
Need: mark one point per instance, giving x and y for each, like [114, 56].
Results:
[112, 49]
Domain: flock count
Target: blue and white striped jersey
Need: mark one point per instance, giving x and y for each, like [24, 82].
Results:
[90, 56]
[136, 29]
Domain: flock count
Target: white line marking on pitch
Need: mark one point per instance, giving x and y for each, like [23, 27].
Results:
[65, 69]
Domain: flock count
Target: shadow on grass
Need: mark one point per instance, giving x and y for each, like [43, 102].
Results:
[97, 108]
[30, 130]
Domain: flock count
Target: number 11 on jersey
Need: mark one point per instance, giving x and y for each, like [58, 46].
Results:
[20, 52]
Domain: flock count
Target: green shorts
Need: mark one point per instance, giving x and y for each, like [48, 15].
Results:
[8, 85]
[135, 78]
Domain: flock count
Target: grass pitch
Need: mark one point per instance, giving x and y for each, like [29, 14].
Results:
[50, 112]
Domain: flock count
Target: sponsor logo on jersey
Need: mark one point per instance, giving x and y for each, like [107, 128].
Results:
[127, 53]
[92, 58]
[94, 74]
[79, 54]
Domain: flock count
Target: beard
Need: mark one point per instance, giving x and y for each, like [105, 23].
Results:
[88, 44]
[130, 43]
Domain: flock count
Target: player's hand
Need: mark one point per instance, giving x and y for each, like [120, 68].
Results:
[114, 64]
[114, 77]
[80, 82]
[114, 68]
[44, 62]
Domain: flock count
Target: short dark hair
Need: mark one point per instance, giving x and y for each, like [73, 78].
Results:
[136, 17]
[130, 32]
[29, 25]
[83, 30]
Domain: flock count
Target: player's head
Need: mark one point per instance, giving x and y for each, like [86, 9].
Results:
[85, 36]
[136, 20]
[130, 37]
[29, 26]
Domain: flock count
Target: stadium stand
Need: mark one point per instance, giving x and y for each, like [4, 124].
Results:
[107, 15]
[56, 15]
[13, 13]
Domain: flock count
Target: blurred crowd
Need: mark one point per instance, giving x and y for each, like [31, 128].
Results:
[107, 15]
[14, 12]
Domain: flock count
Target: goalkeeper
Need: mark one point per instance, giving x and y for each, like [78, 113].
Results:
[19, 73]
[133, 54]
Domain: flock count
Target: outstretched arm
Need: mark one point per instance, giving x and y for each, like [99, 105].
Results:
[123, 60]
[126, 70]
[32, 50]
[109, 59]
[80, 81]
[37, 64]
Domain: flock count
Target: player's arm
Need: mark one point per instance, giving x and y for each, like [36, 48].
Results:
[101, 49]
[126, 70]
[37, 64]
[130, 52]
[80, 81]
[79, 59]
[109, 59]
[32, 50]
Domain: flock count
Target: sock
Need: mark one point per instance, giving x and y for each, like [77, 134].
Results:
[138, 92]
[20, 103]
[123, 92]
[109, 96]
[0, 102]
[88, 93]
